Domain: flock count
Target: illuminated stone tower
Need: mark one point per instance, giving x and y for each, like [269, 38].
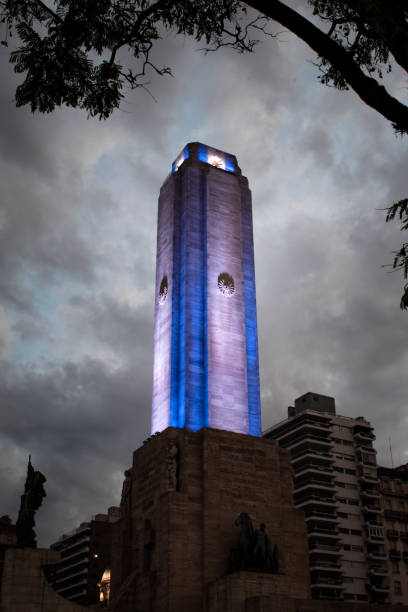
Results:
[205, 371]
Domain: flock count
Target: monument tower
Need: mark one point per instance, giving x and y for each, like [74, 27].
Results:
[206, 492]
[205, 371]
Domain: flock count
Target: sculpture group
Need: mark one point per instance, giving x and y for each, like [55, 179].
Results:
[255, 551]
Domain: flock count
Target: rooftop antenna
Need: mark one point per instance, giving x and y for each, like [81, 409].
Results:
[392, 460]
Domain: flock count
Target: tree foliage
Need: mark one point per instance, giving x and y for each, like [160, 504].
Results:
[69, 48]
[399, 210]
[72, 52]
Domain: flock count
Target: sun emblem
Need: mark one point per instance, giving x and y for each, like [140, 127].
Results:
[216, 161]
[226, 284]
[163, 291]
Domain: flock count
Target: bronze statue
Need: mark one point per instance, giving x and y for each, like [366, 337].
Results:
[31, 500]
[255, 551]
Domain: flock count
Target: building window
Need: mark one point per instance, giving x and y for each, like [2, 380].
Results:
[397, 587]
[395, 567]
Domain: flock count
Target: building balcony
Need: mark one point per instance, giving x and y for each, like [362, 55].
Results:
[370, 494]
[380, 588]
[370, 508]
[377, 555]
[375, 523]
[318, 515]
[364, 436]
[326, 583]
[404, 536]
[395, 554]
[313, 484]
[324, 549]
[72, 590]
[72, 542]
[314, 442]
[378, 570]
[311, 454]
[313, 428]
[326, 566]
[375, 539]
[66, 573]
[370, 480]
[313, 469]
[392, 534]
[324, 533]
[307, 500]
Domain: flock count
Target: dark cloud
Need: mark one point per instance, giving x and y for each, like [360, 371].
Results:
[67, 418]
[77, 243]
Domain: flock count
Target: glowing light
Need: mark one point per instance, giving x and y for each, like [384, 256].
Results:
[104, 587]
[183, 155]
[216, 161]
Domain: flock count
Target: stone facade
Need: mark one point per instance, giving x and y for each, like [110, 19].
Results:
[177, 527]
[24, 586]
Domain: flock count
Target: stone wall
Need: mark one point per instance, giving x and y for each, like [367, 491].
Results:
[24, 586]
[279, 604]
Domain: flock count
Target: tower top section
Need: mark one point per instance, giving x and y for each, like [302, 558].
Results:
[208, 155]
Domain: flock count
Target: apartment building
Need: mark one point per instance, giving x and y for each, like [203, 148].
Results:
[336, 484]
[85, 555]
[394, 502]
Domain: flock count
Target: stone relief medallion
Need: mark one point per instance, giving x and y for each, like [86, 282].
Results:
[163, 291]
[226, 284]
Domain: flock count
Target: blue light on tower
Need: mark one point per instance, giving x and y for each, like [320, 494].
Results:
[206, 370]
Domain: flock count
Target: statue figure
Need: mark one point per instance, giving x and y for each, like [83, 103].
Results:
[241, 557]
[260, 548]
[31, 500]
[172, 466]
[265, 555]
[255, 551]
[125, 502]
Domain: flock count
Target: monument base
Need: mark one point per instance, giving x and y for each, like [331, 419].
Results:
[233, 593]
[180, 504]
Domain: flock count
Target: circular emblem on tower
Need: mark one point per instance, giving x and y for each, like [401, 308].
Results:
[164, 289]
[226, 284]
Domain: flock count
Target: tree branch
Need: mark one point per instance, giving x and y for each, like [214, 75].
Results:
[48, 10]
[366, 88]
[143, 15]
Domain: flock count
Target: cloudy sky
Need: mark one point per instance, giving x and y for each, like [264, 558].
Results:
[77, 261]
